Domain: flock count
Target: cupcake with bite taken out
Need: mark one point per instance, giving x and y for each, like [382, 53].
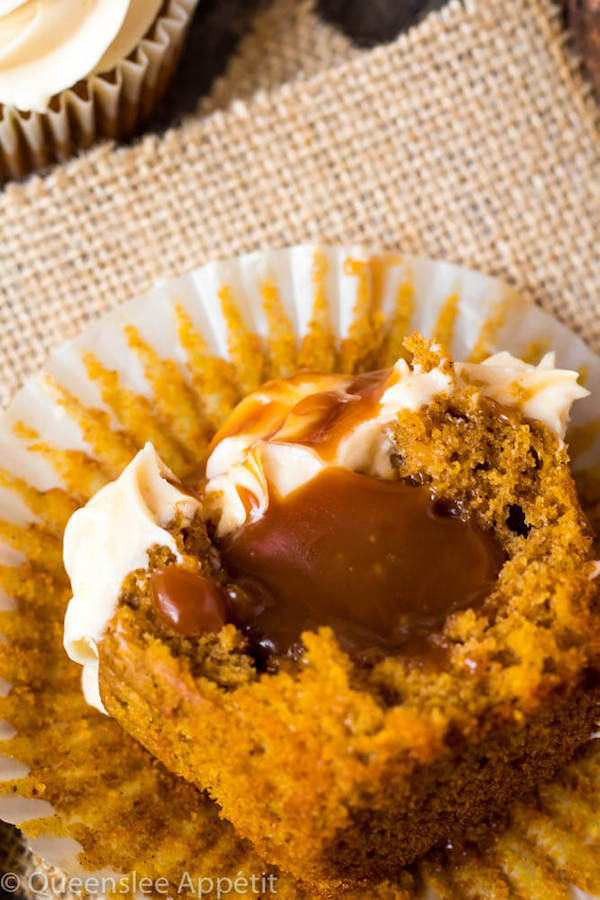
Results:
[372, 624]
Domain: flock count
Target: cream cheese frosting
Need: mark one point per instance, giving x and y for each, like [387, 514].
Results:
[263, 447]
[268, 455]
[47, 46]
[262, 455]
[109, 538]
[542, 392]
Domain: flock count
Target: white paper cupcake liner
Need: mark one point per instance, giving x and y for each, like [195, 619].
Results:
[140, 373]
[109, 105]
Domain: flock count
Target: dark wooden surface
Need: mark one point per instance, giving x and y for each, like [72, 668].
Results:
[584, 22]
[371, 22]
[214, 34]
[218, 25]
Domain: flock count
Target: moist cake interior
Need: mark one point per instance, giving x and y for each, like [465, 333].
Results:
[325, 733]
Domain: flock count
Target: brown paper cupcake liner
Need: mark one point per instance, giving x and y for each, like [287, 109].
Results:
[168, 368]
[109, 105]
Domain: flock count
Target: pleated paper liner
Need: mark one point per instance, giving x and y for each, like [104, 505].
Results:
[168, 368]
[109, 105]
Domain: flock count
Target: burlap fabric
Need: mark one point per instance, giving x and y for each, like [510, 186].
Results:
[473, 137]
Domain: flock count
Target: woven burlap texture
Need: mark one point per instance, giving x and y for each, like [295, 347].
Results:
[287, 41]
[472, 138]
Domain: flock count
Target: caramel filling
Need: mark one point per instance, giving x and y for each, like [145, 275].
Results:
[188, 602]
[381, 562]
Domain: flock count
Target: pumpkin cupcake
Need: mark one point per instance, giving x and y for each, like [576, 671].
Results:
[371, 624]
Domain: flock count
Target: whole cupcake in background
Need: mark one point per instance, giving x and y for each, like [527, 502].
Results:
[72, 73]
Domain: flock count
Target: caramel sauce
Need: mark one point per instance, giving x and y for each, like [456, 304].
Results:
[380, 562]
[310, 409]
[248, 499]
[188, 602]
[383, 563]
[324, 419]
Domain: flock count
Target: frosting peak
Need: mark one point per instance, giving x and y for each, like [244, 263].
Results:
[542, 392]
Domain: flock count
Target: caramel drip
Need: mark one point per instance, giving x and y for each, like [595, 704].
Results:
[187, 601]
[327, 409]
[383, 563]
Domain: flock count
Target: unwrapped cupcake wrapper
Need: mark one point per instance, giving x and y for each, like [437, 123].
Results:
[108, 105]
[116, 385]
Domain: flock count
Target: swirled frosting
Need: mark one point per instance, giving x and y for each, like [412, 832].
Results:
[47, 46]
